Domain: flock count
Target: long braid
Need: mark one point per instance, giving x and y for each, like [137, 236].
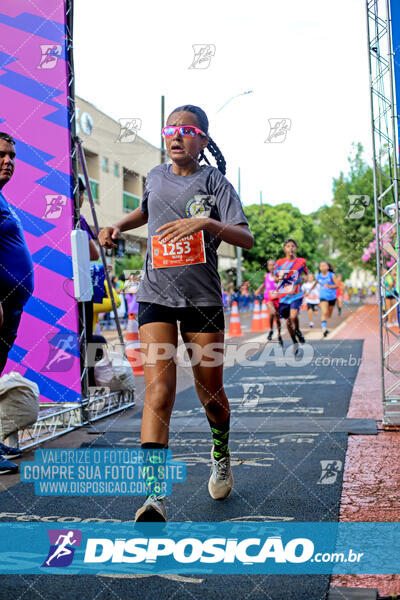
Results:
[202, 156]
[217, 154]
[203, 125]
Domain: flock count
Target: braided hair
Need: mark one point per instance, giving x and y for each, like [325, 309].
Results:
[203, 125]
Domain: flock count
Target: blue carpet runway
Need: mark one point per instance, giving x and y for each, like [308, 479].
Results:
[279, 476]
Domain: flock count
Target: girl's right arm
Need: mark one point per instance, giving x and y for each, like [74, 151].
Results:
[133, 220]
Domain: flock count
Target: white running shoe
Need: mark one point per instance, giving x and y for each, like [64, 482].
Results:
[220, 484]
[153, 510]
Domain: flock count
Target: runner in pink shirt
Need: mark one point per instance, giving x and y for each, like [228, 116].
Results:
[271, 297]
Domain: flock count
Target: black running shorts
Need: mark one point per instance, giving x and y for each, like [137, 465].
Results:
[313, 307]
[196, 319]
[330, 302]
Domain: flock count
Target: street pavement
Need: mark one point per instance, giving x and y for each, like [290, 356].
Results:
[291, 439]
[371, 487]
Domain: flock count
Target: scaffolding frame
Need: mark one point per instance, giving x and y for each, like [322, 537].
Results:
[56, 421]
[386, 194]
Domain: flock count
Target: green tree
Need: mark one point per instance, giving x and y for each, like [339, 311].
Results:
[347, 224]
[133, 262]
[270, 230]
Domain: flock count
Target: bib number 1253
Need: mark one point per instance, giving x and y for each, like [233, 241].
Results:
[188, 251]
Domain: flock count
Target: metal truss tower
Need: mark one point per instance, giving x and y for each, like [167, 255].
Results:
[386, 190]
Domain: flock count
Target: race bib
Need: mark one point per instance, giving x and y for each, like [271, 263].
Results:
[187, 251]
[288, 288]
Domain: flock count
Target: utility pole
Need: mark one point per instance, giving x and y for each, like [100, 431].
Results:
[238, 249]
[162, 126]
[261, 204]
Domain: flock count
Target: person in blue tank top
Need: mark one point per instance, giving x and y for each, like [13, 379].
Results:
[16, 277]
[328, 285]
[16, 266]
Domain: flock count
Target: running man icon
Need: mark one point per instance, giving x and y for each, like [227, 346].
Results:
[60, 358]
[61, 550]
[330, 471]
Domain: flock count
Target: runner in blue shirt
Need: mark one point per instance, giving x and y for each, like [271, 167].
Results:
[328, 285]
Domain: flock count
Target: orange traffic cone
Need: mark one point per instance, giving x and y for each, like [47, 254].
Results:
[235, 329]
[133, 351]
[256, 322]
[264, 316]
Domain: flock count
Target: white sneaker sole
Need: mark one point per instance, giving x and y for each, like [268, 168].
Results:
[210, 483]
[219, 497]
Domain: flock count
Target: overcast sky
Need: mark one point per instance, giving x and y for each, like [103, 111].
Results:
[305, 61]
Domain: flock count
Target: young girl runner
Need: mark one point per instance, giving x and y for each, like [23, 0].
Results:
[288, 275]
[311, 297]
[271, 296]
[328, 284]
[189, 208]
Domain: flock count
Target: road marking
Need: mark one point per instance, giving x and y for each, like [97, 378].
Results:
[257, 519]
[263, 400]
[267, 379]
[312, 410]
[171, 577]
[281, 377]
[237, 459]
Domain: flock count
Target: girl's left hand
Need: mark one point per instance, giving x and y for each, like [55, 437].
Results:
[176, 230]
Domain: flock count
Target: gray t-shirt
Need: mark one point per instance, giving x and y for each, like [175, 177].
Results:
[169, 197]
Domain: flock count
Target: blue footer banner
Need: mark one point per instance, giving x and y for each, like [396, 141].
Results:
[206, 548]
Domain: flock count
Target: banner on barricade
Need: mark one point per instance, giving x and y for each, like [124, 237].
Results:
[35, 112]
